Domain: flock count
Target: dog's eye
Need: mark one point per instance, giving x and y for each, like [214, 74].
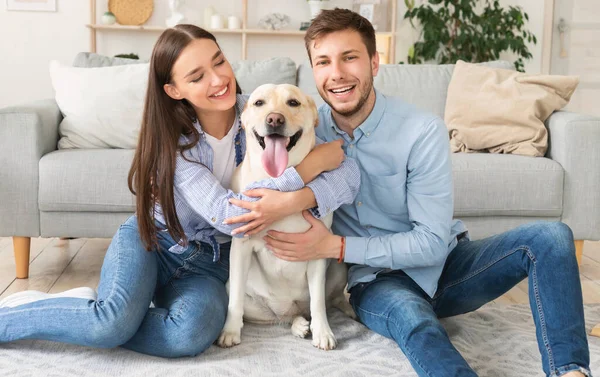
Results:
[293, 103]
[259, 103]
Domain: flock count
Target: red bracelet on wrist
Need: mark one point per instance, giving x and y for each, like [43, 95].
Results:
[342, 250]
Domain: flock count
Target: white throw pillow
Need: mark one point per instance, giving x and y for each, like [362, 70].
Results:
[102, 107]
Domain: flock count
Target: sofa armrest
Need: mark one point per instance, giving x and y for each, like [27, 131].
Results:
[574, 142]
[27, 133]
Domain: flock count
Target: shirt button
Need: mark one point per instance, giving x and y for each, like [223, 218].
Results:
[368, 134]
[213, 219]
[237, 143]
[359, 204]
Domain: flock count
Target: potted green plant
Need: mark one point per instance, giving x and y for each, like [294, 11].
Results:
[469, 30]
[128, 56]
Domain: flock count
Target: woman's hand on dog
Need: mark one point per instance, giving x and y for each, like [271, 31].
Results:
[331, 154]
[273, 205]
[324, 157]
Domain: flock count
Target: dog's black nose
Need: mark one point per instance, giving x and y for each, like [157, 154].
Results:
[275, 120]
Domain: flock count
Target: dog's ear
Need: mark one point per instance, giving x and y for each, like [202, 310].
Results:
[242, 117]
[313, 109]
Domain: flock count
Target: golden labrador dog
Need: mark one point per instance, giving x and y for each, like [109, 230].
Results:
[279, 121]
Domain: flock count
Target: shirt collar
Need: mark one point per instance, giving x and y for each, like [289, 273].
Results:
[370, 124]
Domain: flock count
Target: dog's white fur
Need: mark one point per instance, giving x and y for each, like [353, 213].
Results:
[263, 288]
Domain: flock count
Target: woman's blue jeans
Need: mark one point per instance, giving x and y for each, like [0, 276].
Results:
[477, 272]
[187, 289]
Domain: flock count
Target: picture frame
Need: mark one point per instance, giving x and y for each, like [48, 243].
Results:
[31, 5]
[376, 11]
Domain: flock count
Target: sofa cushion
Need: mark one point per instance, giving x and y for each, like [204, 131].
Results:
[424, 85]
[91, 60]
[92, 180]
[250, 74]
[484, 184]
[102, 107]
[306, 82]
[503, 111]
[506, 185]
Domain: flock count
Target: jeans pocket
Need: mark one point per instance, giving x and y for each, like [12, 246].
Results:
[201, 263]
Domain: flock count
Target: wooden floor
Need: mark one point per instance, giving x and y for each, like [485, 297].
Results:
[57, 265]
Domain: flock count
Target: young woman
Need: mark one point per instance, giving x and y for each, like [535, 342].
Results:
[174, 252]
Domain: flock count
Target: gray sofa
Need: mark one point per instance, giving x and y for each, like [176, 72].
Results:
[83, 192]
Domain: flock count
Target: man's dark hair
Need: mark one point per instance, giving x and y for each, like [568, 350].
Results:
[330, 21]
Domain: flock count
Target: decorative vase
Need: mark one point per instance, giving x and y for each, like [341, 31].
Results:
[176, 16]
[274, 21]
[108, 18]
[315, 7]
[234, 23]
[216, 22]
[209, 11]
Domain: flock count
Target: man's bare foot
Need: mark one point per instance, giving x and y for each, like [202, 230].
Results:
[574, 374]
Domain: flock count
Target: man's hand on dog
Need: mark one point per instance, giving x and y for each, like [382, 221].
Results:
[315, 243]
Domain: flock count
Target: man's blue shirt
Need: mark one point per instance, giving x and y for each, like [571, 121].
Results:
[402, 215]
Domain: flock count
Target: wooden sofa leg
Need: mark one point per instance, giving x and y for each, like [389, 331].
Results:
[22, 246]
[579, 250]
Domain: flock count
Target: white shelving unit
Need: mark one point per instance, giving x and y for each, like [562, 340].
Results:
[386, 41]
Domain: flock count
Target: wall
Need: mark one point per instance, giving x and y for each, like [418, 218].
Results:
[31, 39]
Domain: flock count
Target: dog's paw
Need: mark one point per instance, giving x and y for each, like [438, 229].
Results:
[232, 330]
[229, 338]
[300, 327]
[323, 338]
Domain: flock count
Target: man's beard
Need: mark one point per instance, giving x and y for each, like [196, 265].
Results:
[366, 91]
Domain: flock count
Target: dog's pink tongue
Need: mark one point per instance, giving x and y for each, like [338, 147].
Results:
[275, 155]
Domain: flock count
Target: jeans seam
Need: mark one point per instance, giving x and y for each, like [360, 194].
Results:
[410, 354]
[11, 312]
[193, 254]
[176, 313]
[118, 270]
[183, 303]
[538, 304]
[185, 261]
[475, 273]
[389, 319]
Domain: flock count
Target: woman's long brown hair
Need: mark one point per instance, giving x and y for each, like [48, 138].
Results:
[152, 173]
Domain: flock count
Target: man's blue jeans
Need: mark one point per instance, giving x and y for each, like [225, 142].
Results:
[188, 291]
[477, 272]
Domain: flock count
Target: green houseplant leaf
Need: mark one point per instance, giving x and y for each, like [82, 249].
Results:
[470, 30]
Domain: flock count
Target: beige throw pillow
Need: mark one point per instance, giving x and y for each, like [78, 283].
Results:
[503, 111]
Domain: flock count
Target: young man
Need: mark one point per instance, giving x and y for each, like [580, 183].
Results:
[410, 262]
